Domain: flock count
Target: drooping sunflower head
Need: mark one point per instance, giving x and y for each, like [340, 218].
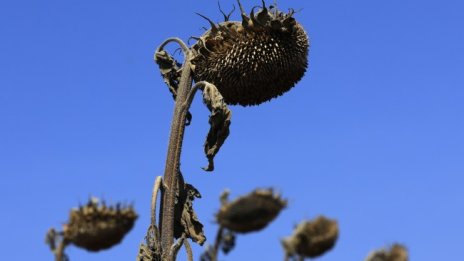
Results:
[251, 212]
[97, 226]
[253, 60]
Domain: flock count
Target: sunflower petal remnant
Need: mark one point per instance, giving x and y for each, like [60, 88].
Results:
[312, 238]
[253, 60]
[252, 212]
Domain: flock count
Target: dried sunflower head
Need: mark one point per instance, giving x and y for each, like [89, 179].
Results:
[96, 226]
[252, 212]
[254, 60]
[396, 252]
[312, 238]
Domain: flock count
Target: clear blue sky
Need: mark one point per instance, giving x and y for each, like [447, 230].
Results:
[372, 136]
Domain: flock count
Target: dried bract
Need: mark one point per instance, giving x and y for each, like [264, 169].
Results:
[312, 238]
[254, 60]
[252, 212]
[96, 226]
[396, 252]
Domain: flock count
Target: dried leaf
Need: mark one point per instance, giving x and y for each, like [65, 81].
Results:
[185, 219]
[219, 121]
[51, 238]
[151, 249]
[171, 71]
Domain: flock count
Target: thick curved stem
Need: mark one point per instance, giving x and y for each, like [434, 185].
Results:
[198, 86]
[171, 171]
[183, 46]
[59, 251]
[154, 199]
[188, 249]
[217, 243]
[176, 246]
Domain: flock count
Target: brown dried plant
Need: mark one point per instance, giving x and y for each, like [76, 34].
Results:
[243, 62]
[93, 227]
[246, 63]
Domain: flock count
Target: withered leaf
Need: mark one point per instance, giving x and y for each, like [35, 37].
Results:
[150, 250]
[171, 71]
[185, 219]
[219, 121]
[51, 238]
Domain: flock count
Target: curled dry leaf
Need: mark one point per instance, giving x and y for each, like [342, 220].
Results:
[219, 122]
[186, 221]
[97, 226]
[396, 252]
[252, 212]
[51, 238]
[312, 238]
[171, 71]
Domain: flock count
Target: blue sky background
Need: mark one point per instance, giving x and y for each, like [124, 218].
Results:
[372, 136]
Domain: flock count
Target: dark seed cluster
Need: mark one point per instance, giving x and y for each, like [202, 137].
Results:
[312, 238]
[96, 226]
[255, 60]
[396, 252]
[252, 212]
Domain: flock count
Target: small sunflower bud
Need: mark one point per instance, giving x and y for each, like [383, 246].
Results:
[96, 227]
[252, 212]
[312, 238]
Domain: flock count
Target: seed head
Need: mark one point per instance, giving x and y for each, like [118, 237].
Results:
[96, 226]
[312, 238]
[252, 212]
[396, 252]
[254, 60]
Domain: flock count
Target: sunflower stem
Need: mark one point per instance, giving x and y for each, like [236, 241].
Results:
[217, 243]
[59, 251]
[171, 171]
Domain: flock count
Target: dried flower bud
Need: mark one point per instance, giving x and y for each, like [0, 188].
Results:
[254, 60]
[312, 238]
[252, 212]
[96, 226]
[397, 252]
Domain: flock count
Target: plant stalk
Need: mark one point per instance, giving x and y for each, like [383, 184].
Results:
[59, 251]
[171, 171]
